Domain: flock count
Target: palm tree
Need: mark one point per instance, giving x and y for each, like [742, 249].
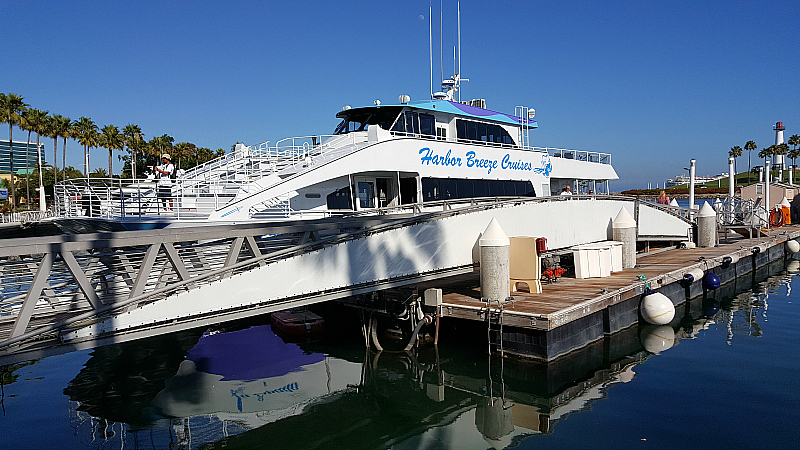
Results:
[131, 133]
[24, 125]
[749, 146]
[184, 149]
[37, 121]
[794, 141]
[11, 106]
[735, 152]
[59, 128]
[204, 154]
[112, 140]
[782, 150]
[85, 130]
[766, 153]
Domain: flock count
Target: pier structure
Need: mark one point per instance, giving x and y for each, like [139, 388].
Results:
[77, 291]
[86, 289]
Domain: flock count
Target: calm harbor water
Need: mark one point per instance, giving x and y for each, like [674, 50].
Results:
[726, 376]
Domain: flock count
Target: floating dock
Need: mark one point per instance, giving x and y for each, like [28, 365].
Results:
[571, 313]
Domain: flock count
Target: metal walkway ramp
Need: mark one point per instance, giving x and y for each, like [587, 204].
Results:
[76, 289]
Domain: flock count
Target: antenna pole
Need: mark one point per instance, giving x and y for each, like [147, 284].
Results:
[430, 42]
[459, 51]
[441, 57]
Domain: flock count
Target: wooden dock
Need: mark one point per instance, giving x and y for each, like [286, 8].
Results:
[596, 306]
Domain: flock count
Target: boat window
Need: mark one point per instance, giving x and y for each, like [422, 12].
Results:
[454, 188]
[481, 188]
[483, 132]
[430, 189]
[448, 189]
[340, 199]
[465, 188]
[360, 119]
[413, 123]
[427, 125]
[366, 194]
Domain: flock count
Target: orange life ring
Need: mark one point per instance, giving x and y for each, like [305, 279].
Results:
[776, 218]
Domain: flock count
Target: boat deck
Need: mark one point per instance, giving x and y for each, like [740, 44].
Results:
[570, 299]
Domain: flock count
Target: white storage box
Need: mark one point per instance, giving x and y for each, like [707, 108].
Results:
[616, 252]
[592, 260]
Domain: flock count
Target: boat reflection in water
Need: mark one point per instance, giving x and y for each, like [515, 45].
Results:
[245, 388]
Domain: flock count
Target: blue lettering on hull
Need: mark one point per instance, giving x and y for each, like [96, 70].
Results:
[430, 158]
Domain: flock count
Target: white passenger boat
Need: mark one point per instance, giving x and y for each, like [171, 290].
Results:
[380, 156]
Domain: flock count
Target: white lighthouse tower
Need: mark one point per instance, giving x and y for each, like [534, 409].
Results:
[779, 159]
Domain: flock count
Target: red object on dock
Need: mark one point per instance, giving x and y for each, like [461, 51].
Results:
[541, 245]
[297, 322]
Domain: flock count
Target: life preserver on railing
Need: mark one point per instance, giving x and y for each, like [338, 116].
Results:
[776, 218]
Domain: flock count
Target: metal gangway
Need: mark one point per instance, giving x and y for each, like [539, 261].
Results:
[742, 216]
[82, 289]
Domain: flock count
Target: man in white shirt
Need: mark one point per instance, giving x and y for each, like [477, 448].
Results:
[566, 191]
[164, 174]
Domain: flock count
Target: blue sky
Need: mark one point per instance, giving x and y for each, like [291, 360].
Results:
[652, 83]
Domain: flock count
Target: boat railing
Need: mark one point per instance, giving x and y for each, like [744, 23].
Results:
[26, 216]
[259, 160]
[114, 198]
[578, 155]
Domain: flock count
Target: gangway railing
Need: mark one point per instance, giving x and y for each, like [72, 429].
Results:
[744, 214]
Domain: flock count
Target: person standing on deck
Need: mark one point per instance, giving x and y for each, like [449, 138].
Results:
[663, 199]
[165, 171]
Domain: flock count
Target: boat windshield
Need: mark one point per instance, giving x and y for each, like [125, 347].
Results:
[360, 119]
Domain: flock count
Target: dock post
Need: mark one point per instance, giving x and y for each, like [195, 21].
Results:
[707, 226]
[767, 182]
[731, 178]
[625, 231]
[495, 265]
[691, 187]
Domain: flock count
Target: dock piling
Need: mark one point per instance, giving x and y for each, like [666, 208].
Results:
[707, 226]
[625, 231]
[495, 263]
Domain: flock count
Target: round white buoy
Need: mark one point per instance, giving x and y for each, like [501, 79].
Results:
[760, 248]
[793, 246]
[657, 339]
[693, 275]
[657, 308]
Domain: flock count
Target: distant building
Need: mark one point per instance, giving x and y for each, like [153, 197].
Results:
[776, 193]
[25, 157]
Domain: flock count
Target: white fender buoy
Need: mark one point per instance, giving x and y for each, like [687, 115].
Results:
[793, 246]
[657, 339]
[693, 275]
[728, 260]
[657, 308]
[760, 248]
